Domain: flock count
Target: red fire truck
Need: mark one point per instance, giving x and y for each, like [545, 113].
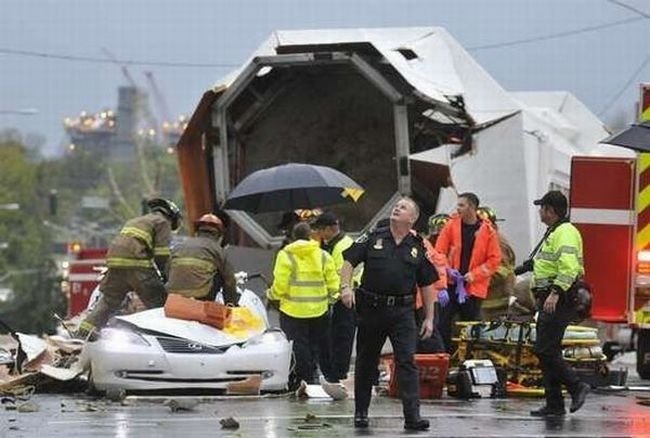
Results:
[82, 275]
[610, 204]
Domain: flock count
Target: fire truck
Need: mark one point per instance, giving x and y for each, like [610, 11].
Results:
[610, 205]
[82, 275]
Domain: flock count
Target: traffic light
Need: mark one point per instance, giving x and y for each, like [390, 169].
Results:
[53, 202]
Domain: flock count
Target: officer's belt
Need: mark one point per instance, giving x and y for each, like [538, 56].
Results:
[385, 299]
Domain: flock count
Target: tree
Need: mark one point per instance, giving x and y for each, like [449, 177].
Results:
[26, 262]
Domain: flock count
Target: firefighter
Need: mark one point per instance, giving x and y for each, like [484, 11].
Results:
[198, 266]
[435, 224]
[136, 260]
[394, 263]
[291, 218]
[472, 249]
[336, 350]
[305, 283]
[502, 283]
[556, 266]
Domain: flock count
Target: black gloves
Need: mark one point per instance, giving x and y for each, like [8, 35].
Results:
[526, 266]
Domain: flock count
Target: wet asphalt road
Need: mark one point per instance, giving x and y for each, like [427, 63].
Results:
[613, 414]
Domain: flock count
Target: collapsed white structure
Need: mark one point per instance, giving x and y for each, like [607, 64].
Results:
[519, 159]
[447, 112]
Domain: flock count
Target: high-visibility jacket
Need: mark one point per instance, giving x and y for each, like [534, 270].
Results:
[195, 262]
[304, 280]
[486, 253]
[335, 247]
[142, 240]
[502, 283]
[439, 261]
[559, 260]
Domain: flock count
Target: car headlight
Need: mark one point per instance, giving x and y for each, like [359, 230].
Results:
[118, 337]
[268, 337]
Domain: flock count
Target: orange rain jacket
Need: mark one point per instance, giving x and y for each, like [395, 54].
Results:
[486, 254]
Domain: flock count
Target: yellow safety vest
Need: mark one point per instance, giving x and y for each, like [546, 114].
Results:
[305, 280]
[559, 261]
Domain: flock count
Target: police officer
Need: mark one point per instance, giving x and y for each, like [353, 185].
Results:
[335, 354]
[557, 265]
[394, 262]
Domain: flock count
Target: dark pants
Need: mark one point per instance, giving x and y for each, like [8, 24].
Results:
[305, 334]
[550, 330]
[120, 281]
[470, 310]
[376, 323]
[336, 348]
[432, 344]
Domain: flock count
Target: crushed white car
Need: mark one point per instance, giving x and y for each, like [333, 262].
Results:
[147, 351]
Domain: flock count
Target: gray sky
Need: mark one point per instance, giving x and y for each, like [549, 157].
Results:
[594, 65]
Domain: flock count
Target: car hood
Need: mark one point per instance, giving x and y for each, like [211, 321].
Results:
[155, 320]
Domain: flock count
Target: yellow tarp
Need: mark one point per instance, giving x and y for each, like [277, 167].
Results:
[244, 323]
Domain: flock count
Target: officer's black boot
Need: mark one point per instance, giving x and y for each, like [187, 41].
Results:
[361, 419]
[412, 419]
[554, 404]
[578, 396]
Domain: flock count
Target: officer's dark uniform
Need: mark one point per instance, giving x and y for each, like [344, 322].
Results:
[384, 304]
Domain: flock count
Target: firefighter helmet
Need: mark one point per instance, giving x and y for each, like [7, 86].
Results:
[436, 222]
[210, 220]
[308, 214]
[487, 214]
[168, 209]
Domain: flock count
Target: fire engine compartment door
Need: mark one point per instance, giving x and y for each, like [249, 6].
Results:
[602, 208]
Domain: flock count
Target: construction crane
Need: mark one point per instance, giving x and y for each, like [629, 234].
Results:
[142, 103]
[125, 70]
[161, 103]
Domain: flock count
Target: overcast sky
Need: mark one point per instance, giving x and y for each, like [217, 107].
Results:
[595, 65]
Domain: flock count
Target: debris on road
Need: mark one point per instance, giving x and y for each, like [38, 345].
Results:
[182, 404]
[249, 386]
[229, 423]
[28, 407]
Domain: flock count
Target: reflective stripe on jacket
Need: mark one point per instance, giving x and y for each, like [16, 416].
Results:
[304, 280]
[140, 240]
[486, 253]
[195, 262]
[343, 243]
[502, 283]
[559, 260]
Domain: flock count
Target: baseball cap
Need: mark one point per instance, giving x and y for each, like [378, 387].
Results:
[325, 219]
[553, 198]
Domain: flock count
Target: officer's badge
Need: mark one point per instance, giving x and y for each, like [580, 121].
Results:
[414, 252]
[379, 244]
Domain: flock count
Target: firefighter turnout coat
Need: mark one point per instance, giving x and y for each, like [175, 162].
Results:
[194, 264]
[141, 241]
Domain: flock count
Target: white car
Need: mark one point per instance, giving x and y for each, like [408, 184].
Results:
[148, 351]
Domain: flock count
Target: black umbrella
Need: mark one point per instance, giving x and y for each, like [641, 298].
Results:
[636, 137]
[292, 186]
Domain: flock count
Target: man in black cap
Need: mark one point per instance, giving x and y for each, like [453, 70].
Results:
[335, 354]
[556, 266]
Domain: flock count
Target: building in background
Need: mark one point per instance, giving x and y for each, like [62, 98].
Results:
[115, 135]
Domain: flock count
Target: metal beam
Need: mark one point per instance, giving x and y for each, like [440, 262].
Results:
[254, 230]
[402, 148]
[376, 78]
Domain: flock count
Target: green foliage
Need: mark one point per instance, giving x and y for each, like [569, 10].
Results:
[25, 263]
[28, 264]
